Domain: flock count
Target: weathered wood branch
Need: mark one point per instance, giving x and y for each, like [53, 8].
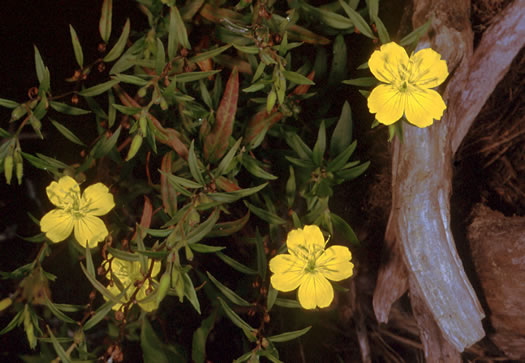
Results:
[422, 174]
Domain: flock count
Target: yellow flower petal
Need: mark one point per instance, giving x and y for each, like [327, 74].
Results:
[288, 272]
[90, 230]
[97, 200]
[334, 263]
[427, 69]
[57, 225]
[315, 291]
[309, 237]
[156, 268]
[422, 106]
[390, 63]
[115, 291]
[148, 305]
[387, 103]
[120, 268]
[63, 193]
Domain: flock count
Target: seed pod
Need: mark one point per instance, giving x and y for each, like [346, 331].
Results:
[8, 168]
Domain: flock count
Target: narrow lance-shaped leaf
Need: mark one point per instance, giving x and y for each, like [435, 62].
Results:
[232, 296]
[104, 25]
[64, 357]
[284, 337]
[118, 48]
[320, 145]
[67, 133]
[217, 140]
[357, 19]
[77, 48]
[342, 136]
[98, 89]
[236, 319]
[182, 34]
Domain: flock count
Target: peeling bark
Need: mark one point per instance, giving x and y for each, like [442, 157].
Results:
[422, 176]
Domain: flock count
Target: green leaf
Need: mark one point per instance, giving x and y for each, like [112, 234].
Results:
[98, 89]
[52, 161]
[123, 255]
[320, 145]
[101, 288]
[307, 164]
[340, 160]
[287, 303]
[209, 54]
[384, 37]
[64, 357]
[181, 33]
[253, 168]
[230, 197]
[119, 46]
[67, 109]
[127, 78]
[77, 48]
[194, 165]
[160, 58]
[297, 78]
[236, 265]
[342, 135]
[373, 8]
[338, 70]
[8, 103]
[198, 233]
[101, 313]
[202, 248]
[173, 41]
[179, 181]
[152, 346]
[248, 49]
[412, 38]
[17, 320]
[232, 296]
[272, 296]
[228, 228]
[344, 228]
[297, 144]
[67, 133]
[127, 110]
[39, 65]
[104, 26]
[190, 293]
[193, 76]
[236, 319]
[357, 19]
[264, 214]
[329, 18]
[200, 336]
[362, 81]
[104, 145]
[284, 337]
[56, 312]
[352, 173]
[224, 165]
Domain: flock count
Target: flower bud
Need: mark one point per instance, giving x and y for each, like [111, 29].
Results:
[8, 168]
[135, 146]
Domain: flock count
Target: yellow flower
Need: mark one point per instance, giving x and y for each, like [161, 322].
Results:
[309, 265]
[76, 211]
[129, 274]
[408, 82]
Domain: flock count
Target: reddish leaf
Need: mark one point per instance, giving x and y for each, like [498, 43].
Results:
[216, 141]
[226, 184]
[147, 213]
[259, 123]
[169, 198]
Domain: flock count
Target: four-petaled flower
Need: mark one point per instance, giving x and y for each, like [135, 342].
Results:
[129, 274]
[76, 211]
[408, 85]
[308, 266]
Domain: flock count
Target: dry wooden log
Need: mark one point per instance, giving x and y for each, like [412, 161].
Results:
[497, 243]
[422, 173]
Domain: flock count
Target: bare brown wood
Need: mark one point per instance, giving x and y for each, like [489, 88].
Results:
[497, 243]
[422, 171]
[437, 348]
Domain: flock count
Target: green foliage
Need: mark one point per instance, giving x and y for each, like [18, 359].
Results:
[232, 161]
